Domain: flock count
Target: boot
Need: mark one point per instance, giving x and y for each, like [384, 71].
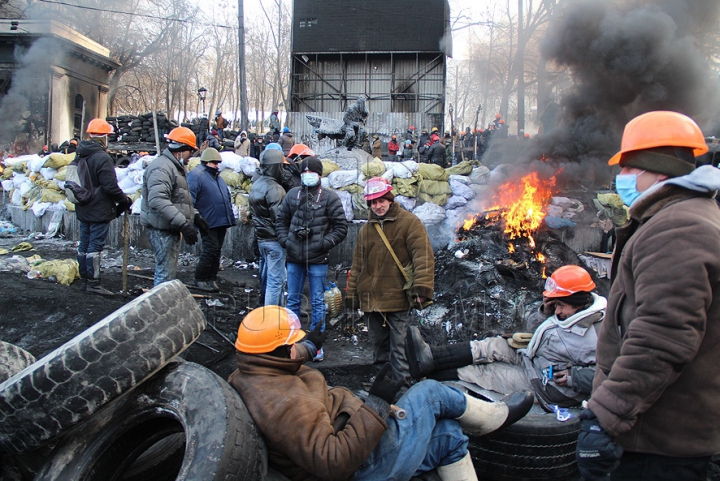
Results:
[424, 359]
[82, 268]
[93, 284]
[206, 286]
[482, 417]
[462, 470]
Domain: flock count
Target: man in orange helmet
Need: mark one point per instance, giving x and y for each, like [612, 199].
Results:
[108, 202]
[656, 388]
[313, 431]
[393, 148]
[558, 363]
[167, 205]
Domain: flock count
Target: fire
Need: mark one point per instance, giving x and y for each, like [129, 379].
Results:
[523, 205]
[540, 257]
[511, 248]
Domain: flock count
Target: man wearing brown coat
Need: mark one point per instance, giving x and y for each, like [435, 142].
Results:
[376, 283]
[654, 408]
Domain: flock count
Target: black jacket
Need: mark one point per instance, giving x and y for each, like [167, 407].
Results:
[322, 213]
[266, 195]
[107, 192]
[436, 154]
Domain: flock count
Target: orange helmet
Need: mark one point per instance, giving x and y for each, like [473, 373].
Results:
[267, 328]
[376, 188]
[300, 150]
[501, 121]
[99, 127]
[567, 280]
[497, 116]
[661, 128]
[393, 137]
[183, 135]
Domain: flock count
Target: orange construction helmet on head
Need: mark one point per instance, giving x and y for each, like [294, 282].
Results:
[99, 127]
[183, 135]
[661, 128]
[376, 188]
[267, 328]
[497, 116]
[300, 150]
[501, 121]
[567, 280]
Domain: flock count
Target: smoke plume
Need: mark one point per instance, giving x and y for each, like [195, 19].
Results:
[628, 58]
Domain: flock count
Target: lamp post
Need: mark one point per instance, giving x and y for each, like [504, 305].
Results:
[202, 93]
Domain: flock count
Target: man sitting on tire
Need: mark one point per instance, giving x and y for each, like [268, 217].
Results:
[558, 364]
[315, 432]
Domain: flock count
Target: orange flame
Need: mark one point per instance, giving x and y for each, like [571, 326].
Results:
[511, 248]
[524, 202]
[540, 257]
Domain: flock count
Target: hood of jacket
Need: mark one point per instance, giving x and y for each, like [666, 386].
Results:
[86, 148]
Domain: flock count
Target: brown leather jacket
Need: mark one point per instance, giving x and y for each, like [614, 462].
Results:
[657, 385]
[311, 432]
[376, 283]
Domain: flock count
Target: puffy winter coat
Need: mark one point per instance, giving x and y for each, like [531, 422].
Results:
[286, 141]
[167, 203]
[242, 146]
[376, 283]
[211, 196]
[311, 432]
[436, 154]
[107, 192]
[376, 149]
[266, 195]
[657, 382]
[320, 211]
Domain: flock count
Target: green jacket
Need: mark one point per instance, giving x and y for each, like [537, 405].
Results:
[376, 283]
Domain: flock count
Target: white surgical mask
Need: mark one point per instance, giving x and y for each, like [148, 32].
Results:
[309, 179]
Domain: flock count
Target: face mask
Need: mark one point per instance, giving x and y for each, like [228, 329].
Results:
[626, 187]
[309, 179]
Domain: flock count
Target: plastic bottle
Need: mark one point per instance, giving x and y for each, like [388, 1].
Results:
[333, 299]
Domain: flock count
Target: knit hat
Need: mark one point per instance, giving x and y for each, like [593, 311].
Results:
[312, 164]
[671, 161]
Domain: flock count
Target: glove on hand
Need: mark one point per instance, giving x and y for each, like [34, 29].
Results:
[202, 224]
[597, 454]
[384, 387]
[123, 206]
[316, 337]
[189, 234]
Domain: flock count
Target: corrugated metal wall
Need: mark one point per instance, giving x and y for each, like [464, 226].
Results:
[410, 83]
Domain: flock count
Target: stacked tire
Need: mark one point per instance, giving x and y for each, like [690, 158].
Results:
[536, 447]
[112, 400]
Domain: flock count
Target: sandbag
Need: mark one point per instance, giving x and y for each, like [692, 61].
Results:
[36, 163]
[232, 178]
[374, 168]
[461, 189]
[407, 187]
[435, 187]
[52, 196]
[57, 160]
[360, 207]
[441, 199]
[194, 162]
[346, 199]
[61, 174]
[64, 271]
[463, 168]
[343, 178]
[430, 213]
[455, 201]
[242, 203]
[408, 203]
[432, 172]
[480, 175]
[405, 169]
[328, 167]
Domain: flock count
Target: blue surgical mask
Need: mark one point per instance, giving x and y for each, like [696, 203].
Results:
[626, 187]
[309, 179]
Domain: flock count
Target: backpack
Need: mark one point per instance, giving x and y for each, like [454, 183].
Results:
[79, 188]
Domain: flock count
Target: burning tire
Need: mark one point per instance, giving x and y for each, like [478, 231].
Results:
[13, 359]
[536, 447]
[184, 410]
[112, 357]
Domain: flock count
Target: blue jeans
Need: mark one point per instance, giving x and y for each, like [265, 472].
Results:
[274, 264]
[427, 438]
[92, 239]
[316, 274]
[166, 247]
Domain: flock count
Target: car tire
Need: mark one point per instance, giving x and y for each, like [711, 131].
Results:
[221, 441]
[13, 359]
[536, 447]
[73, 382]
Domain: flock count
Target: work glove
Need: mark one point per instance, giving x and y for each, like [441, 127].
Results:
[382, 392]
[597, 454]
[202, 224]
[123, 206]
[316, 337]
[189, 234]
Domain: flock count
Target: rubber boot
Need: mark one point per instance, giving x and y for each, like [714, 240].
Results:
[423, 359]
[462, 470]
[82, 267]
[482, 417]
[93, 285]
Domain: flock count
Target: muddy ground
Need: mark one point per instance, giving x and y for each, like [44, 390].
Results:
[40, 315]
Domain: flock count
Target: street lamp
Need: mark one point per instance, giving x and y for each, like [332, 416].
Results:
[202, 93]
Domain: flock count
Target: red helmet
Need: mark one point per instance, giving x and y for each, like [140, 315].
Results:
[567, 280]
[376, 188]
[501, 121]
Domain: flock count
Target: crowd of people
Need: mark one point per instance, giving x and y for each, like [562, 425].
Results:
[642, 359]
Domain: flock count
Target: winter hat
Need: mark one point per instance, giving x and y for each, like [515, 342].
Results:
[214, 132]
[579, 299]
[671, 161]
[312, 164]
[286, 129]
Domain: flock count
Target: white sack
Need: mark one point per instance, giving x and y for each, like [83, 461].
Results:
[464, 179]
[405, 169]
[343, 178]
[462, 190]
[35, 163]
[480, 175]
[346, 200]
[455, 201]
[430, 213]
[48, 173]
[408, 202]
[120, 174]
[39, 208]
[8, 185]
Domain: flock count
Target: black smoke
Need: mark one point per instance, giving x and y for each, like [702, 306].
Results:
[627, 58]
